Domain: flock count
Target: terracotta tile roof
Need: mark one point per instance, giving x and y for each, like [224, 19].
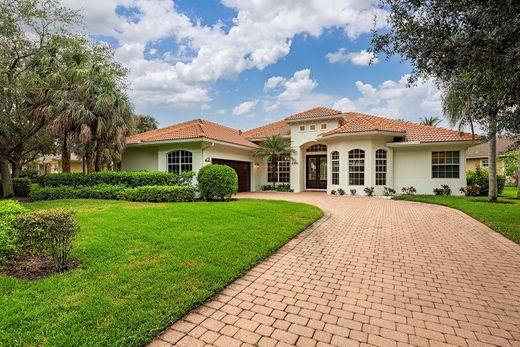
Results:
[197, 128]
[316, 112]
[357, 122]
[482, 150]
[276, 128]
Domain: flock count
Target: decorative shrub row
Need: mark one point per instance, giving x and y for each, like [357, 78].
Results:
[129, 179]
[278, 188]
[120, 192]
[21, 187]
[47, 232]
[217, 181]
[9, 210]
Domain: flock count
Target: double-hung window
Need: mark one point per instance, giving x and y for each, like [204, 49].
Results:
[446, 164]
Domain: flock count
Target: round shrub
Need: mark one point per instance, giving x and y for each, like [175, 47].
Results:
[480, 177]
[217, 181]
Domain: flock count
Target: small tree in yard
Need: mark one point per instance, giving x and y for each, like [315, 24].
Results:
[275, 149]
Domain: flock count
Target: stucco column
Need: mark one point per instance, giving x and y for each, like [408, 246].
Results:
[296, 170]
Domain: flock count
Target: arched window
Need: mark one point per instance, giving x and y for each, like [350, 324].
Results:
[356, 167]
[334, 160]
[317, 148]
[179, 161]
[380, 167]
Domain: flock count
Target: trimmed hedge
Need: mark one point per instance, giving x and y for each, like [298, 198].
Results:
[21, 187]
[217, 181]
[102, 191]
[109, 192]
[480, 177]
[9, 210]
[158, 194]
[129, 179]
[48, 232]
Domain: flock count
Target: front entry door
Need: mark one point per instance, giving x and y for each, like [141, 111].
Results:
[316, 172]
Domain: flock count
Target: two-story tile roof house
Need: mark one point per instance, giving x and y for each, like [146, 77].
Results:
[334, 150]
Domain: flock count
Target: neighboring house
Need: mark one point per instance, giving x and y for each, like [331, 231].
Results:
[478, 155]
[51, 164]
[333, 150]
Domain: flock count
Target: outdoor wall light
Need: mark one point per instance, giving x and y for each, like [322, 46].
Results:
[208, 160]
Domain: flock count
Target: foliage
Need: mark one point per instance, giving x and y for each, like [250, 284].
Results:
[9, 209]
[369, 191]
[333, 192]
[388, 191]
[443, 190]
[158, 193]
[480, 177]
[142, 124]
[275, 149]
[21, 187]
[430, 121]
[341, 191]
[127, 178]
[278, 188]
[29, 173]
[471, 190]
[410, 190]
[352, 192]
[148, 263]
[48, 232]
[511, 163]
[217, 181]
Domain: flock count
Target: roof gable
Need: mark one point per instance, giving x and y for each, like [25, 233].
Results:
[276, 128]
[197, 128]
[317, 112]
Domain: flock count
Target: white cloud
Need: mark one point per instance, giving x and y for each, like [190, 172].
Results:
[296, 86]
[260, 35]
[395, 99]
[221, 111]
[357, 58]
[244, 108]
[273, 82]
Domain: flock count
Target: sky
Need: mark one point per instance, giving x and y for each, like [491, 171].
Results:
[246, 63]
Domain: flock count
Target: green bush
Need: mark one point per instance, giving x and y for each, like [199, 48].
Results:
[217, 181]
[473, 190]
[129, 179]
[158, 193]
[388, 191]
[48, 232]
[9, 210]
[29, 173]
[22, 187]
[369, 191]
[480, 177]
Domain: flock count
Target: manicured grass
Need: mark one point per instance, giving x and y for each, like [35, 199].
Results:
[503, 217]
[143, 266]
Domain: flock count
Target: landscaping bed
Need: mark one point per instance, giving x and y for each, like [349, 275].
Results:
[141, 267]
[503, 216]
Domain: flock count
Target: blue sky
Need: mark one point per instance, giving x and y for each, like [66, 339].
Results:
[245, 64]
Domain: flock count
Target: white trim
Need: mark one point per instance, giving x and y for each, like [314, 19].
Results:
[361, 133]
[423, 144]
[312, 119]
[195, 139]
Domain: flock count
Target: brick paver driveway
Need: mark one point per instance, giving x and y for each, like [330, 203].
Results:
[374, 272]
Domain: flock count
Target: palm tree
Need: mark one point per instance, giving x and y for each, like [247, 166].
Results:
[458, 103]
[430, 121]
[275, 148]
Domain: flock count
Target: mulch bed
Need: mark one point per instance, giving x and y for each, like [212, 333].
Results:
[35, 268]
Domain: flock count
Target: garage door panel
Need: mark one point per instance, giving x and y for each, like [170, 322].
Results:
[243, 170]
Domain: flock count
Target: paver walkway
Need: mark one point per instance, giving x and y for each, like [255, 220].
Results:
[375, 272]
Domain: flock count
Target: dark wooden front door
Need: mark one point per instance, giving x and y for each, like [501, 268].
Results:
[243, 170]
[316, 172]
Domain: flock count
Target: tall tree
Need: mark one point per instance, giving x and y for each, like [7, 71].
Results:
[430, 121]
[143, 123]
[476, 39]
[28, 29]
[275, 148]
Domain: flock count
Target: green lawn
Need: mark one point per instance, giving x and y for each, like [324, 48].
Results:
[503, 217]
[143, 266]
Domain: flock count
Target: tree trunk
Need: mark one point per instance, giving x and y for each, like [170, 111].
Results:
[492, 159]
[518, 177]
[7, 182]
[275, 171]
[99, 156]
[91, 160]
[16, 168]
[65, 153]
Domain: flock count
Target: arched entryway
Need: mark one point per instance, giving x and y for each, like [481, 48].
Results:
[316, 167]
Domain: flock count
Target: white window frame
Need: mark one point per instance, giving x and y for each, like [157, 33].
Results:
[484, 162]
[302, 128]
[351, 160]
[323, 126]
[284, 167]
[445, 164]
[185, 158]
[334, 165]
[312, 127]
[381, 163]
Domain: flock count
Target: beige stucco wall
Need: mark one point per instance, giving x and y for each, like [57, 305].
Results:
[412, 167]
[140, 158]
[472, 163]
